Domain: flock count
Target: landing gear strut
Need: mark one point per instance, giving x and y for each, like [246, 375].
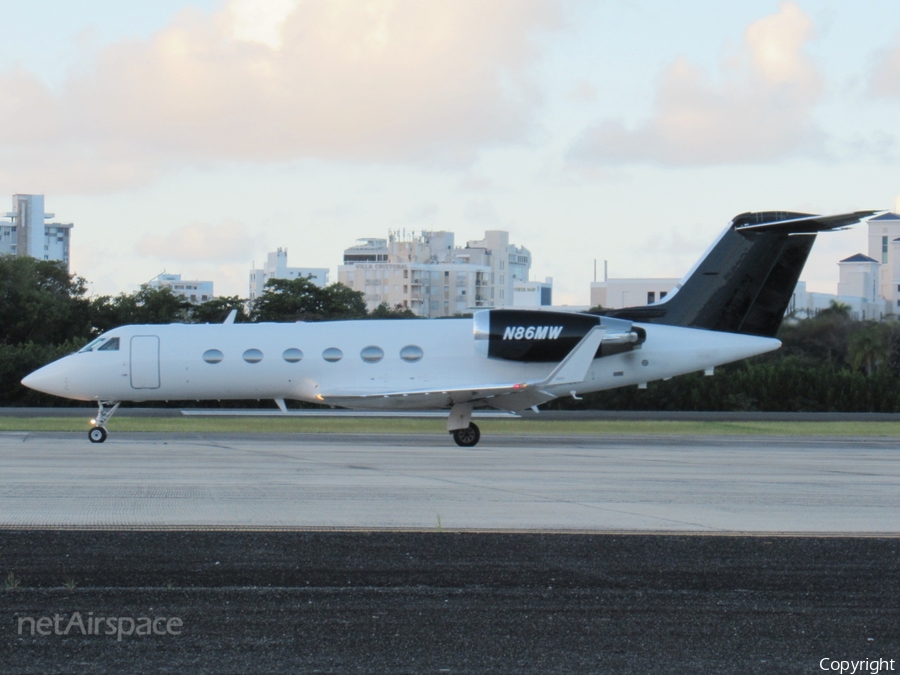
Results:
[467, 437]
[99, 433]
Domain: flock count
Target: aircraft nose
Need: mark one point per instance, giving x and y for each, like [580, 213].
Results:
[51, 379]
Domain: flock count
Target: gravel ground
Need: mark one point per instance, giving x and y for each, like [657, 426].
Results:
[422, 602]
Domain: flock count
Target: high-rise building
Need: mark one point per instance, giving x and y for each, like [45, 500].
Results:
[28, 233]
[429, 275]
[276, 268]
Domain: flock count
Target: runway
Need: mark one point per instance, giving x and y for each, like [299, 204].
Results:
[338, 553]
[425, 482]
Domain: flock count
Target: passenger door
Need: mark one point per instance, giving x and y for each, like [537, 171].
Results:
[145, 362]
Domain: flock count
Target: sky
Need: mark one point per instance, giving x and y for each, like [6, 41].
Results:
[194, 136]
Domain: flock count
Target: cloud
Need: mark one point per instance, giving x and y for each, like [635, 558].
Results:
[885, 80]
[360, 80]
[475, 183]
[258, 21]
[199, 242]
[584, 92]
[482, 211]
[423, 213]
[760, 110]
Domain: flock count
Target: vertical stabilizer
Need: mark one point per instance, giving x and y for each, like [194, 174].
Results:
[744, 283]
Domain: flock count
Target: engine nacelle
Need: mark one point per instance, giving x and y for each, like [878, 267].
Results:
[537, 336]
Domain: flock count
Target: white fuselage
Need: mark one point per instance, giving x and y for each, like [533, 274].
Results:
[248, 361]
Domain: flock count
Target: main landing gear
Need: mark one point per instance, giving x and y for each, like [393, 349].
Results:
[467, 437]
[465, 432]
[98, 433]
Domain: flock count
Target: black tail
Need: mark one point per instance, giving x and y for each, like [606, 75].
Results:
[745, 281]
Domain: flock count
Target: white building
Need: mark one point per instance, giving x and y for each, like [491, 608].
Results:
[618, 293]
[193, 291]
[276, 268]
[805, 305]
[533, 293]
[509, 264]
[857, 289]
[431, 276]
[884, 248]
[27, 233]
[884, 231]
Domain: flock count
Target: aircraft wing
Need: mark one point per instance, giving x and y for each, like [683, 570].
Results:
[572, 370]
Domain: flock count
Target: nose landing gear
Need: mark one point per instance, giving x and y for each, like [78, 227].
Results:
[98, 433]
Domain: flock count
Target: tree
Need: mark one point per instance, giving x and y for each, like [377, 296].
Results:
[869, 347]
[41, 302]
[218, 309]
[836, 308]
[146, 306]
[301, 300]
[820, 340]
[383, 311]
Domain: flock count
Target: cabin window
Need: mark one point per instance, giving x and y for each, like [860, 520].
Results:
[372, 354]
[90, 345]
[292, 355]
[111, 345]
[213, 356]
[411, 353]
[332, 354]
[253, 356]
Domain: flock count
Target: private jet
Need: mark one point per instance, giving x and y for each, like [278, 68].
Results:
[728, 307]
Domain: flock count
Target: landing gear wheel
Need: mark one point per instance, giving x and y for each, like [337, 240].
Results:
[105, 410]
[97, 435]
[467, 437]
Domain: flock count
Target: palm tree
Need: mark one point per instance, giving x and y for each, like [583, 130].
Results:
[869, 347]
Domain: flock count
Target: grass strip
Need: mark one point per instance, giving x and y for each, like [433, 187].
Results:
[434, 426]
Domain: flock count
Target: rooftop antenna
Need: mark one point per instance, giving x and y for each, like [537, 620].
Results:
[149, 281]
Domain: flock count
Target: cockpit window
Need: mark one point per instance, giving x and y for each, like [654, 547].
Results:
[111, 345]
[90, 345]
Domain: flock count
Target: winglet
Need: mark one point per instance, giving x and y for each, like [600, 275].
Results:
[232, 315]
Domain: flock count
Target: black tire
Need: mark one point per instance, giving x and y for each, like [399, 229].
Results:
[97, 435]
[468, 437]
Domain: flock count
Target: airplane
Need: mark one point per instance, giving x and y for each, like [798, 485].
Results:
[727, 308]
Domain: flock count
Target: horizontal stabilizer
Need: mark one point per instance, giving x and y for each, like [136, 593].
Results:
[797, 223]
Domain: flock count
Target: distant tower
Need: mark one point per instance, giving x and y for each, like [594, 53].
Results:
[27, 233]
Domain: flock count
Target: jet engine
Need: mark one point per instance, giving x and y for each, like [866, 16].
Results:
[537, 336]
